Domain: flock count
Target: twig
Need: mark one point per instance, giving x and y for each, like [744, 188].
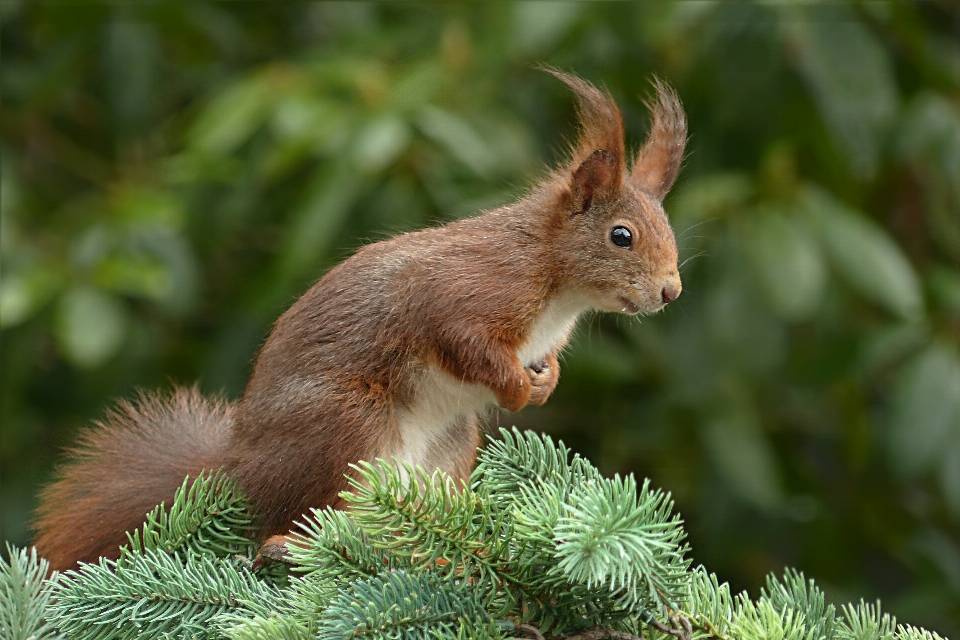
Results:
[530, 629]
[711, 629]
[681, 627]
[605, 634]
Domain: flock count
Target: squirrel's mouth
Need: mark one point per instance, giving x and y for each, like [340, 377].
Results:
[629, 306]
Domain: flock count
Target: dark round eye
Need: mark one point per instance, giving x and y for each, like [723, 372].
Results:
[621, 237]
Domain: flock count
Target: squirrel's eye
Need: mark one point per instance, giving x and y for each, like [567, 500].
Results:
[621, 237]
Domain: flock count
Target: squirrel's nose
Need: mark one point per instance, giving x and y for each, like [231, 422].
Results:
[671, 290]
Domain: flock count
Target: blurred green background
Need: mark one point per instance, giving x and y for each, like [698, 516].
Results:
[175, 174]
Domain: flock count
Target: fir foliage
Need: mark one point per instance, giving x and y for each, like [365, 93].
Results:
[761, 620]
[207, 515]
[404, 604]
[611, 535]
[333, 547]
[24, 596]
[281, 614]
[866, 621]
[151, 595]
[428, 521]
[537, 544]
[794, 593]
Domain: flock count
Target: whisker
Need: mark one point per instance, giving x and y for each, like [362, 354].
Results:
[696, 255]
[692, 227]
[698, 238]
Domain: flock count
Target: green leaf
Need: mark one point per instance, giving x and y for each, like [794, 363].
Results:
[743, 455]
[23, 293]
[313, 229]
[707, 600]
[91, 326]
[232, 116]
[380, 142]
[787, 262]
[926, 410]
[537, 26]
[458, 138]
[865, 255]
[140, 206]
[944, 284]
[268, 627]
[707, 196]
[907, 632]
[429, 521]
[332, 550]
[570, 551]
[850, 76]
[268, 615]
[525, 458]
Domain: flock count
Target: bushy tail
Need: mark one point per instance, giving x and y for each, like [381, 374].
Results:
[132, 461]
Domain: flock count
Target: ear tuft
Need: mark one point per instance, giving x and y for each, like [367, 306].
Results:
[601, 127]
[658, 162]
[598, 173]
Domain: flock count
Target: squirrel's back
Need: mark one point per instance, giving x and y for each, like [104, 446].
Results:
[132, 461]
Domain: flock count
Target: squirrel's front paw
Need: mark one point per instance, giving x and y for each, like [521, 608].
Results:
[543, 379]
[515, 395]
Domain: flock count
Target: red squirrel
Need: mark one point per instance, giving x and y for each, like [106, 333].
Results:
[400, 349]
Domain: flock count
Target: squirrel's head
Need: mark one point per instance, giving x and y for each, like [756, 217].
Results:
[610, 215]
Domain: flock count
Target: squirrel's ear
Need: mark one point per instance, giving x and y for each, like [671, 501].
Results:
[658, 163]
[599, 173]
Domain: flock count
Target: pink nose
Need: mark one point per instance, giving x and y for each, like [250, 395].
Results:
[670, 293]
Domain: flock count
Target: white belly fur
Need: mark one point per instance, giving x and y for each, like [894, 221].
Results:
[444, 399]
[553, 327]
[441, 402]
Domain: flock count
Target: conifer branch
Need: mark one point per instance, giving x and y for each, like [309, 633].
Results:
[539, 545]
[24, 596]
[429, 521]
[399, 604]
[151, 594]
[207, 515]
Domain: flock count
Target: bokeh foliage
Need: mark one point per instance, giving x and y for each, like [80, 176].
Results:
[174, 174]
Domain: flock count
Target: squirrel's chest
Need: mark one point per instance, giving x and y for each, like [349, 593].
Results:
[445, 403]
[552, 328]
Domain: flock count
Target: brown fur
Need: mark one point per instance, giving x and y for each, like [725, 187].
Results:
[133, 460]
[400, 348]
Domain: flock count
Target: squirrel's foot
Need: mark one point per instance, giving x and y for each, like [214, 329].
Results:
[274, 549]
[543, 379]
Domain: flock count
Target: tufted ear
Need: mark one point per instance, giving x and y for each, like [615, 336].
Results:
[600, 172]
[597, 157]
[658, 163]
